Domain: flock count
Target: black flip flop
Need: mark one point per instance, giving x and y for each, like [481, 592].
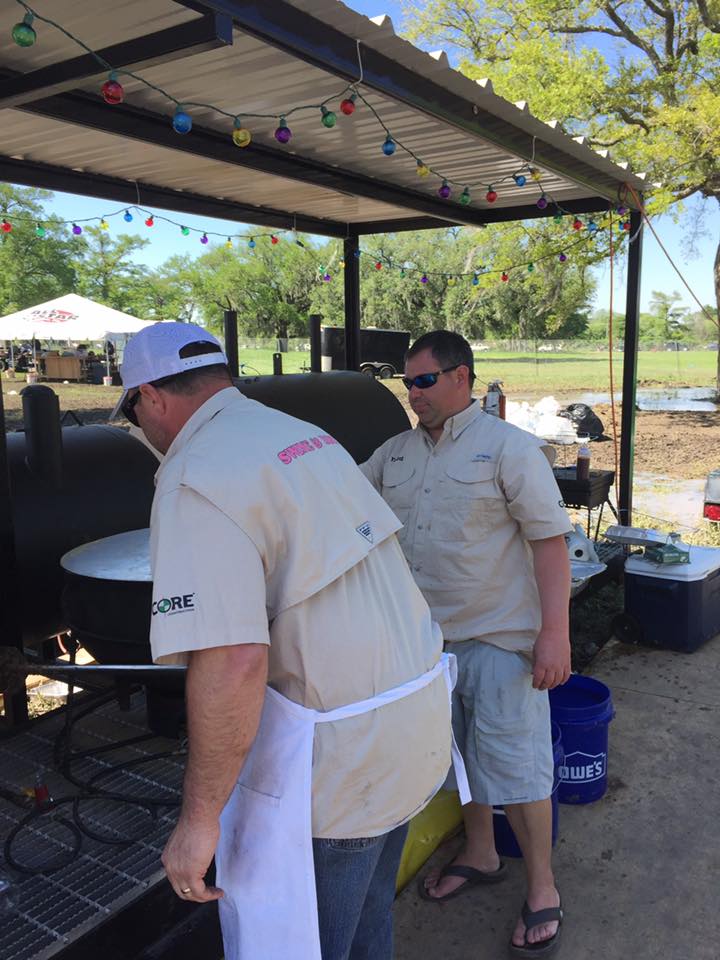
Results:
[543, 948]
[471, 876]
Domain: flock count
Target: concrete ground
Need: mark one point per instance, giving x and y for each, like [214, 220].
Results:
[638, 870]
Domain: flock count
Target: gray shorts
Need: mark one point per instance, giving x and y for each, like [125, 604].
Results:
[501, 725]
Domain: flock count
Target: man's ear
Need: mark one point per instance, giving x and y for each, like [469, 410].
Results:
[154, 398]
[463, 375]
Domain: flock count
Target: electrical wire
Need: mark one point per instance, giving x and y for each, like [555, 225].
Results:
[611, 362]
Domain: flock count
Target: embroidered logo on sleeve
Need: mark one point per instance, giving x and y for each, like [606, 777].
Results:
[169, 606]
[365, 530]
[302, 447]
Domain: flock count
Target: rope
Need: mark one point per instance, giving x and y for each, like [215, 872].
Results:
[645, 217]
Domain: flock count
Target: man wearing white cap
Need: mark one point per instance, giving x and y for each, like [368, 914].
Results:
[317, 693]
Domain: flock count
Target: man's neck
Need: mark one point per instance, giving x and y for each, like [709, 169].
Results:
[436, 432]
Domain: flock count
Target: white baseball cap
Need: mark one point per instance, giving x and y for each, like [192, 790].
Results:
[155, 352]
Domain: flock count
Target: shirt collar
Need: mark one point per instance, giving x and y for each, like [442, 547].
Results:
[217, 402]
[461, 421]
[456, 424]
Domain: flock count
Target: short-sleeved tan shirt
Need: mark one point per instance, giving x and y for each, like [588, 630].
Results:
[367, 631]
[469, 504]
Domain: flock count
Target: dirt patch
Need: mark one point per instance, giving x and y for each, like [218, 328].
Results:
[683, 445]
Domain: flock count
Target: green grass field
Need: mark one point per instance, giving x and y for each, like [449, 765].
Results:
[550, 372]
[557, 372]
[563, 375]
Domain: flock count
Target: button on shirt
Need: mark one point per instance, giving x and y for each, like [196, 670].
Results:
[469, 504]
[365, 632]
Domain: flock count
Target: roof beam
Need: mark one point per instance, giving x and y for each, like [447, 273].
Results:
[185, 39]
[153, 128]
[130, 192]
[494, 215]
[305, 37]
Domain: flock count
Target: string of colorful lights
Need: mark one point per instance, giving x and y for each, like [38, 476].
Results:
[25, 35]
[112, 91]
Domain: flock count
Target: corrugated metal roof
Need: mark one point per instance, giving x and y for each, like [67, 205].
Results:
[252, 76]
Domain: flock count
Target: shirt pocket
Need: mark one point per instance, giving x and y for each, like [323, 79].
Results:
[470, 495]
[398, 490]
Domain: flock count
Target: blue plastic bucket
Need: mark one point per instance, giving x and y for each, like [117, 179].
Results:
[582, 708]
[505, 840]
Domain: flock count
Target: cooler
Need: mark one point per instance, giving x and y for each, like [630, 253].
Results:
[673, 605]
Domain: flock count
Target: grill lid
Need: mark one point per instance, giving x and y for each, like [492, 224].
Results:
[124, 556]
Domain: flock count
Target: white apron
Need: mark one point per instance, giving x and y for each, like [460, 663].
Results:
[264, 859]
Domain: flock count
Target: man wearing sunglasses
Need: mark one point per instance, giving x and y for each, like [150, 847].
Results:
[317, 691]
[483, 533]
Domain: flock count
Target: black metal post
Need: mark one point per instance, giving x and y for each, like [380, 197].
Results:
[315, 345]
[352, 302]
[14, 698]
[630, 354]
[231, 341]
[277, 364]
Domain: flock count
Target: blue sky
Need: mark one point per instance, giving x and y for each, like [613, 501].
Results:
[696, 266]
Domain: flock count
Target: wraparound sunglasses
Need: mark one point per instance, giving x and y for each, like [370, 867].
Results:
[424, 380]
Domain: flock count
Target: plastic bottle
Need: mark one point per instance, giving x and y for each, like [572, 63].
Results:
[582, 471]
[494, 402]
[41, 791]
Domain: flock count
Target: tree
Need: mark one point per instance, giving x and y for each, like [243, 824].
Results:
[549, 300]
[270, 286]
[653, 97]
[168, 293]
[105, 271]
[33, 268]
[670, 317]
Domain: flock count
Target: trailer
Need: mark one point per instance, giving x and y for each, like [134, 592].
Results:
[382, 352]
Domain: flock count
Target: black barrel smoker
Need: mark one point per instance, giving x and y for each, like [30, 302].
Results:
[75, 485]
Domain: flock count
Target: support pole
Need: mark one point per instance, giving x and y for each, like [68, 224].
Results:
[231, 342]
[315, 345]
[352, 302]
[14, 697]
[630, 354]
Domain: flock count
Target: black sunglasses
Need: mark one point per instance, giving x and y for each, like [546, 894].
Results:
[128, 408]
[424, 380]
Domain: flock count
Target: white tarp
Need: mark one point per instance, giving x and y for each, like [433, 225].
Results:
[69, 318]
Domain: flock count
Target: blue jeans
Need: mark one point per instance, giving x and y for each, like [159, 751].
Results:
[355, 881]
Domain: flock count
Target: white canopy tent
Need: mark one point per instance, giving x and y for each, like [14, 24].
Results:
[69, 318]
[66, 318]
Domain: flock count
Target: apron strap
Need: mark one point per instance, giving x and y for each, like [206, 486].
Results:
[389, 696]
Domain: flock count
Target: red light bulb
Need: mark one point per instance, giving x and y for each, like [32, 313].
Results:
[112, 92]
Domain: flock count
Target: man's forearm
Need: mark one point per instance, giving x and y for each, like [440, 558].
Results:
[225, 690]
[552, 575]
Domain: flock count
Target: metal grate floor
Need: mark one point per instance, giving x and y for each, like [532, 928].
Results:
[47, 911]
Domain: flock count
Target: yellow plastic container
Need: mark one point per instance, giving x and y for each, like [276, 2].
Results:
[440, 819]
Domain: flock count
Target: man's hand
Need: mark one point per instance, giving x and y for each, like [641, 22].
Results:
[551, 660]
[187, 856]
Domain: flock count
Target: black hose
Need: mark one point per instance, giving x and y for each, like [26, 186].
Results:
[63, 757]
